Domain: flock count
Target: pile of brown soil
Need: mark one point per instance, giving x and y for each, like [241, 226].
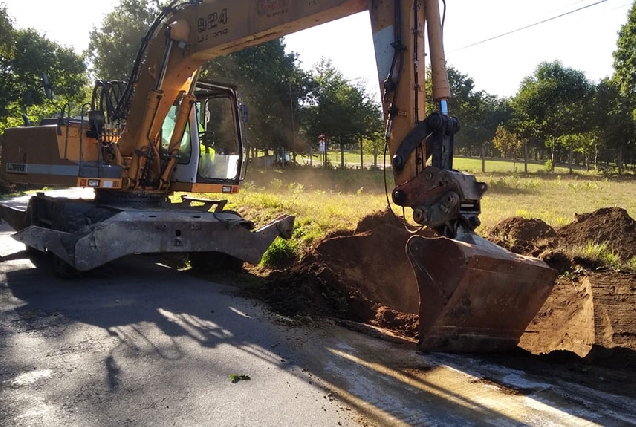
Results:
[522, 236]
[517, 228]
[354, 276]
[612, 226]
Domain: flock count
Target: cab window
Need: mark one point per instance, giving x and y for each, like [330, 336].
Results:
[218, 139]
[185, 150]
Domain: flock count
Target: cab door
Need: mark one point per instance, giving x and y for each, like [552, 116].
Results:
[212, 153]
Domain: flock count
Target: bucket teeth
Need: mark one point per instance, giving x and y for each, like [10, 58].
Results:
[475, 297]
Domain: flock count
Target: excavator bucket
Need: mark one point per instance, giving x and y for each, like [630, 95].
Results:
[474, 295]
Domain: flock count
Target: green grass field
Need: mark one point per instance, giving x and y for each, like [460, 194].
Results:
[327, 200]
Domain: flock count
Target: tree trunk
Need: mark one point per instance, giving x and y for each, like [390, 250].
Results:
[525, 158]
[596, 157]
[553, 153]
[375, 157]
[483, 158]
[342, 164]
[311, 155]
[619, 161]
[361, 157]
[570, 158]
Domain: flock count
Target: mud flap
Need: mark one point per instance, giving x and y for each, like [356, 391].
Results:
[474, 295]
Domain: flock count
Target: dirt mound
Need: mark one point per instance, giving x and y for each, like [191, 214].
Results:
[533, 237]
[518, 228]
[354, 276]
[524, 236]
[612, 226]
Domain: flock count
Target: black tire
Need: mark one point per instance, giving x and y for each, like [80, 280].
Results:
[69, 221]
[28, 221]
[214, 262]
[61, 268]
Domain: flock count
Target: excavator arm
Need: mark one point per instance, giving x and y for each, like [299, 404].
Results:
[194, 32]
[191, 33]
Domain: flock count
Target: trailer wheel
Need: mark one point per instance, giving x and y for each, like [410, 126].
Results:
[214, 262]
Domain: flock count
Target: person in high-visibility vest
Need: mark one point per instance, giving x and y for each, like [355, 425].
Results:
[207, 154]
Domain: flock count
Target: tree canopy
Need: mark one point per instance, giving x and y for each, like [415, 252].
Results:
[340, 110]
[625, 55]
[113, 46]
[272, 85]
[552, 101]
[23, 63]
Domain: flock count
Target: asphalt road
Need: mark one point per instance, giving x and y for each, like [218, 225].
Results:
[138, 344]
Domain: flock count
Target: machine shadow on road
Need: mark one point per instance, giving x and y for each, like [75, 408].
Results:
[151, 312]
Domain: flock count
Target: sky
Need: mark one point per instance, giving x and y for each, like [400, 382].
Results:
[582, 40]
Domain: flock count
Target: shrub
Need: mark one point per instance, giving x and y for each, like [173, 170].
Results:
[548, 166]
[281, 254]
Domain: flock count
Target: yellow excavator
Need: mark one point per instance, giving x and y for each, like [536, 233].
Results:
[165, 130]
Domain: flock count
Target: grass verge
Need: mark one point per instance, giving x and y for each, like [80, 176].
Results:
[324, 201]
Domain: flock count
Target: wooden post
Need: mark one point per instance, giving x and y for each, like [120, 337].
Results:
[525, 157]
[342, 164]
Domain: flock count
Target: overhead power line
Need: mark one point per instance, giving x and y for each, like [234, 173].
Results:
[530, 25]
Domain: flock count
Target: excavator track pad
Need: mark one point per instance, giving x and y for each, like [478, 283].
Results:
[474, 295]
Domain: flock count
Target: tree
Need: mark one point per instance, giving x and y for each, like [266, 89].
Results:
[6, 55]
[625, 55]
[21, 85]
[509, 144]
[113, 47]
[615, 118]
[341, 110]
[274, 87]
[6, 33]
[619, 93]
[553, 102]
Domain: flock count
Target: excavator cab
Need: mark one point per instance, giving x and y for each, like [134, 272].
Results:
[213, 148]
